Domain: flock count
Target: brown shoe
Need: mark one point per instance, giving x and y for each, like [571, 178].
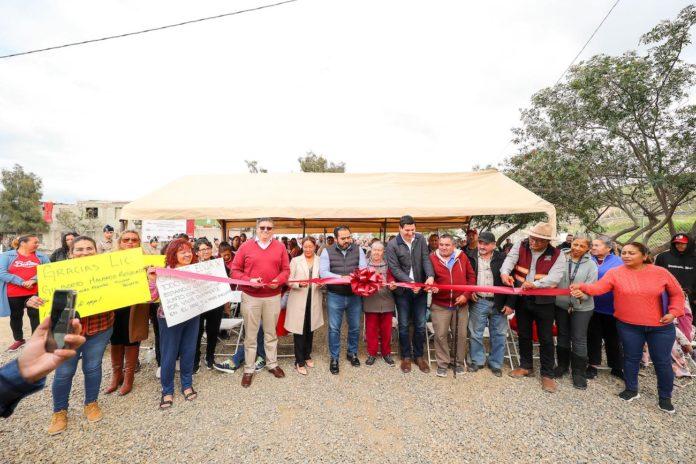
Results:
[117, 368]
[548, 385]
[521, 372]
[132, 353]
[406, 365]
[59, 422]
[277, 372]
[93, 413]
[423, 365]
[246, 380]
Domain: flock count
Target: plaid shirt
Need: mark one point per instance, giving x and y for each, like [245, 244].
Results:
[92, 325]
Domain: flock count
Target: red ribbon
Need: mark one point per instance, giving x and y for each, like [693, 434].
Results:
[366, 282]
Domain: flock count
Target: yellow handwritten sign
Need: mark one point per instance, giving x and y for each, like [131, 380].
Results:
[154, 260]
[102, 282]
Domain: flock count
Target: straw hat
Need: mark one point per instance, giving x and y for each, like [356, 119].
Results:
[541, 230]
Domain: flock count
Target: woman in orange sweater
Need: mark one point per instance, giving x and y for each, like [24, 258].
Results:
[638, 288]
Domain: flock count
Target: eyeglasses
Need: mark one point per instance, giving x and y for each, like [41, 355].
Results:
[204, 249]
[269, 228]
[130, 240]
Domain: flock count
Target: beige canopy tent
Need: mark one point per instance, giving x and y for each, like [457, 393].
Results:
[317, 202]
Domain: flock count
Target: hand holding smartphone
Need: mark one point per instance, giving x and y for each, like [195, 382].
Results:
[62, 315]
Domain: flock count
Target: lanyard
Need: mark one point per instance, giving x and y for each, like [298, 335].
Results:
[571, 275]
[574, 272]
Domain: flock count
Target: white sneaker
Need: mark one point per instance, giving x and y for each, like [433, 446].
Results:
[158, 374]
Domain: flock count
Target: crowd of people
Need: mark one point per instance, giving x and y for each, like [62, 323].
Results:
[638, 311]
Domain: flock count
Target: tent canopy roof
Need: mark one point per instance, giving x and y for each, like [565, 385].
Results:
[318, 200]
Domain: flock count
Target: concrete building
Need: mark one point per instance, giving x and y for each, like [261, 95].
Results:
[89, 218]
[85, 217]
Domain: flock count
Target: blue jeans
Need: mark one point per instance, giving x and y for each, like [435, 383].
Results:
[91, 353]
[412, 309]
[660, 341]
[177, 341]
[481, 314]
[238, 358]
[337, 305]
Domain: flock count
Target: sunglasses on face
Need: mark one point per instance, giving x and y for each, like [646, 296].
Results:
[269, 228]
[130, 240]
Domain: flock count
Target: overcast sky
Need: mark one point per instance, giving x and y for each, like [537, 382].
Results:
[381, 85]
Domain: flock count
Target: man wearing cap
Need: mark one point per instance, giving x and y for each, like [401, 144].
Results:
[535, 263]
[680, 260]
[106, 245]
[488, 309]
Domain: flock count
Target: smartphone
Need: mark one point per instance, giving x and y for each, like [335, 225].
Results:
[62, 314]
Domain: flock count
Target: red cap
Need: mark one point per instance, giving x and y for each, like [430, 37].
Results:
[681, 238]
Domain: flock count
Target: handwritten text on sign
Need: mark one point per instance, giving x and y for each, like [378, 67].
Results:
[186, 299]
[102, 282]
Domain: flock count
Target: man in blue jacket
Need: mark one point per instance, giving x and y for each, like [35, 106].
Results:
[603, 325]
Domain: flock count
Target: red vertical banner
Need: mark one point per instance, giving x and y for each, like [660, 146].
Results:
[190, 227]
[48, 211]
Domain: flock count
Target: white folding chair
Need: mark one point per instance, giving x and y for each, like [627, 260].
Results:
[511, 350]
[429, 333]
[236, 326]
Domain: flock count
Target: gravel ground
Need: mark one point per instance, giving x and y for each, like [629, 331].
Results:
[366, 414]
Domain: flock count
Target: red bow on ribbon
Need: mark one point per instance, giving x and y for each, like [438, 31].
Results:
[365, 282]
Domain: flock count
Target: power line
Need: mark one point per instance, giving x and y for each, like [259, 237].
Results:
[599, 26]
[144, 31]
[588, 41]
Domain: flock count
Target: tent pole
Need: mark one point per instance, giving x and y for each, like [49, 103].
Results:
[223, 225]
[384, 234]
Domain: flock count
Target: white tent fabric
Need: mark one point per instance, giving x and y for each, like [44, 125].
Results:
[321, 200]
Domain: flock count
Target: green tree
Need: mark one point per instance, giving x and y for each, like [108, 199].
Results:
[20, 202]
[624, 127]
[253, 167]
[564, 185]
[312, 162]
[68, 220]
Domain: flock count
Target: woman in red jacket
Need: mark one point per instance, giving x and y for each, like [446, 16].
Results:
[639, 288]
[452, 267]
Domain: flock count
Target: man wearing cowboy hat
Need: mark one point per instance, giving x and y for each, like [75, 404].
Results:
[535, 263]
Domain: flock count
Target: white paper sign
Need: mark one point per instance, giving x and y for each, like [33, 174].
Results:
[183, 299]
[164, 230]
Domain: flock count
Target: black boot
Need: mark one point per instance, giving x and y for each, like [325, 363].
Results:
[591, 372]
[563, 359]
[579, 369]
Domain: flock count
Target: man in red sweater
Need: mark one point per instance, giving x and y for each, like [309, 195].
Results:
[262, 260]
[449, 308]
